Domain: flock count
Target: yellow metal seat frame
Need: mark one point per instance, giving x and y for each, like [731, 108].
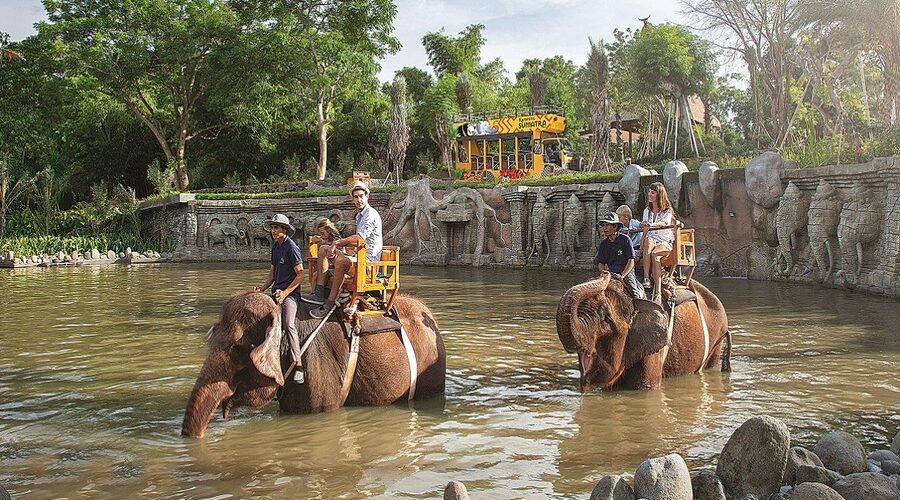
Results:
[380, 276]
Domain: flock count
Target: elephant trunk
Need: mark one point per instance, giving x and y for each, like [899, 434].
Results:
[575, 323]
[211, 388]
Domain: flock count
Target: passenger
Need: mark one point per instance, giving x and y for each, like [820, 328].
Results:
[656, 244]
[285, 276]
[616, 255]
[368, 232]
[631, 227]
[326, 234]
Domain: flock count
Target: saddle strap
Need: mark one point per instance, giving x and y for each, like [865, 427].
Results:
[413, 365]
[351, 368]
[665, 350]
[705, 338]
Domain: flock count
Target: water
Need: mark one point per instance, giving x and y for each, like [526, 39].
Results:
[96, 365]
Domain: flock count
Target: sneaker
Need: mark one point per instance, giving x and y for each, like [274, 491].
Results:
[299, 378]
[322, 310]
[317, 297]
[647, 283]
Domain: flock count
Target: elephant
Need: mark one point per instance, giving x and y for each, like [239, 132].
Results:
[244, 366]
[623, 343]
[258, 230]
[225, 234]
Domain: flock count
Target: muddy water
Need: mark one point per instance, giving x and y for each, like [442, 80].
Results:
[96, 365]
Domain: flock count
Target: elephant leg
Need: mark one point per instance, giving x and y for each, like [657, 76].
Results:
[545, 240]
[829, 260]
[859, 257]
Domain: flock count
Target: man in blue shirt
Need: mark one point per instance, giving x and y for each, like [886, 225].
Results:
[285, 275]
[616, 255]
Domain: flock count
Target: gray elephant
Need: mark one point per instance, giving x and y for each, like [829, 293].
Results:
[257, 231]
[227, 234]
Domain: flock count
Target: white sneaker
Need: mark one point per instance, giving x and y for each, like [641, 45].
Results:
[299, 378]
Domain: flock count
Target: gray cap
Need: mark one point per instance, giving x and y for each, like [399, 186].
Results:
[610, 218]
[282, 220]
[359, 185]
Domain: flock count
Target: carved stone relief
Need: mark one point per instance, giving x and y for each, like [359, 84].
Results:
[790, 218]
[860, 224]
[824, 215]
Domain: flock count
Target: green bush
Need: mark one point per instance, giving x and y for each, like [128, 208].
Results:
[26, 246]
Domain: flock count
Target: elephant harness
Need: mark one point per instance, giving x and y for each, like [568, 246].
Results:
[677, 295]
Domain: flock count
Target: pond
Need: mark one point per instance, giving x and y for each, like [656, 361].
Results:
[96, 365]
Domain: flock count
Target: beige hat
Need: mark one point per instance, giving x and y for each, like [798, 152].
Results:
[359, 185]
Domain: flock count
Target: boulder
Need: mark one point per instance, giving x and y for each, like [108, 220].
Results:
[707, 486]
[814, 491]
[613, 488]
[103, 256]
[17, 261]
[128, 252]
[753, 460]
[815, 474]
[763, 179]
[890, 467]
[709, 182]
[895, 444]
[630, 183]
[672, 176]
[664, 478]
[797, 456]
[880, 456]
[75, 256]
[95, 254]
[841, 452]
[455, 490]
[121, 255]
[10, 255]
[866, 486]
[111, 255]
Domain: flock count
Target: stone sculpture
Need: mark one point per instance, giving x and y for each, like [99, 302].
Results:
[573, 220]
[672, 177]
[630, 183]
[542, 217]
[709, 182]
[257, 232]
[790, 218]
[860, 224]
[824, 215]
[607, 204]
[226, 234]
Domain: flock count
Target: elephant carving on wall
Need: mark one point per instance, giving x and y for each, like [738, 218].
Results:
[226, 234]
[244, 366]
[824, 215]
[860, 224]
[624, 343]
[542, 218]
[790, 218]
[574, 216]
[257, 232]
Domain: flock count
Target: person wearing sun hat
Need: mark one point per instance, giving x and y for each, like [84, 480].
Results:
[616, 255]
[285, 276]
[368, 232]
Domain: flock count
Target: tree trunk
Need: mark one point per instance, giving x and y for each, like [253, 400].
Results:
[322, 128]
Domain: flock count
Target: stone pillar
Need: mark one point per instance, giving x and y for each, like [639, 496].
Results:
[557, 199]
[518, 216]
[593, 198]
[885, 276]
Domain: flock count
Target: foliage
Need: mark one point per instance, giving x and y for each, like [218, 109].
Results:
[455, 55]
[162, 179]
[27, 246]
[668, 59]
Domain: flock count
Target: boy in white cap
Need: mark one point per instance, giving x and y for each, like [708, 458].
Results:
[285, 276]
[368, 232]
[616, 255]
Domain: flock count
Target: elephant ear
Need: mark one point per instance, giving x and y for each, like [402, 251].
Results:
[266, 356]
[647, 334]
[580, 314]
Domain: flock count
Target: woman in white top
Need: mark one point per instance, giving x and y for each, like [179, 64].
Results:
[656, 244]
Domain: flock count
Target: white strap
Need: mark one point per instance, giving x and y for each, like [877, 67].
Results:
[351, 368]
[413, 366]
[665, 351]
[705, 338]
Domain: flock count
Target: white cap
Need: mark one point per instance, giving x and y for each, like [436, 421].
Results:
[359, 185]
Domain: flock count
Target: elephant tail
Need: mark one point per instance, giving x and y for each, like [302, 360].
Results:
[726, 353]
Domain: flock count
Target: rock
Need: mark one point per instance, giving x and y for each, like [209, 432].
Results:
[630, 183]
[707, 486]
[709, 182]
[866, 486]
[814, 491]
[895, 444]
[75, 256]
[128, 252]
[111, 255]
[890, 467]
[85, 256]
[10, 255]
[872, 466]
[121, 255]
[815, 474]
[455, 490]
[797, 456]
[753, 460]
[613, 488]
[664, 478]
[880, 456]
[95, 254]
[61, 255]
[763, 179]
[841, 452]
[17, 261]
[66, 258]
[672, 176]
[103, 256]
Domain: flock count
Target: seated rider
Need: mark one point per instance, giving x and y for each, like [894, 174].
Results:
[631, 227]
[326, 234]
[657, 243]
[368, 231]
[285, 275]
[616, 255]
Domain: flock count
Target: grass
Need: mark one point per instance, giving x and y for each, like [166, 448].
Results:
[26, 246]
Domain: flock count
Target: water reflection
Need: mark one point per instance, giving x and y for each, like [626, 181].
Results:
[95, 371]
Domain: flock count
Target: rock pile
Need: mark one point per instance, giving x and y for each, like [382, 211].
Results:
[93, 257]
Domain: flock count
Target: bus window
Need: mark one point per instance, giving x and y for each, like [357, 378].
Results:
[461, 155]
[509, 153]
[524, 159]
[493, 158]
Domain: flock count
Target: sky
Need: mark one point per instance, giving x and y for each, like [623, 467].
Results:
[515, 30]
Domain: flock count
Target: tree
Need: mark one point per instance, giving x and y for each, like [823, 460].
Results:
[417, 82]
[437, 114]
[455, 55]
[11, 189]
[398, 131]
[598, 74]
[158, 58]
[6, 53]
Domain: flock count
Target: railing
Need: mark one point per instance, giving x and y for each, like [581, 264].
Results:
[535, 110]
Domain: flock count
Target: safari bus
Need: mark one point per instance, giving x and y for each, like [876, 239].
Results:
[512, 145]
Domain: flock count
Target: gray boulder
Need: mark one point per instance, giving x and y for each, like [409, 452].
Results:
[709, 182]
[128, 252]
[841, 452]
[664, 478]
[455, 490]
[95, 254]
[867, 486]
[613, 488]
[814, 491]
[890, 467]
[753, 460]
[707, 486]
[672, 176]
[763, 179]
[815, 474]
[112, 255]
[797, 456]
[630, 183]
[880, 456]
[895, 444]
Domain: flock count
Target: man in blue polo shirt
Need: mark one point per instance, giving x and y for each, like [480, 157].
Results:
[285, 275]
[616, 255]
